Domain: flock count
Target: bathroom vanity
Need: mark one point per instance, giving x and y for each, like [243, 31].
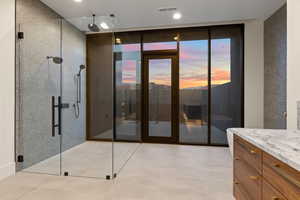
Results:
[266, 164]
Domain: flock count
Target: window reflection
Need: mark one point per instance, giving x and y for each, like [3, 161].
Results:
[160, 93]
[160, 46]
[220, 89]
[226, 89]
[127, 69]
[193, 81]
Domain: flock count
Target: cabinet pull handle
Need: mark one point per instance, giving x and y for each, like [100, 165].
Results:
[237, 158]
[254, 177]
[275, 198]
[244, 147]
[282, 173]
[253, 152]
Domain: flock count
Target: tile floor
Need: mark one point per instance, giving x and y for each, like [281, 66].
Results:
[189, 133]
[90, 159]
[154, 172]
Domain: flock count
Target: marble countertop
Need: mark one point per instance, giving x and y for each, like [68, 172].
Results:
[282, 144]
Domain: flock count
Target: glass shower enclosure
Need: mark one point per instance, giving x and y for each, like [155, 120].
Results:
[51, 121]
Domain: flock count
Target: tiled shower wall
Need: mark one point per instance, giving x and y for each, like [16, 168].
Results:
[38, 80]
[275, 30]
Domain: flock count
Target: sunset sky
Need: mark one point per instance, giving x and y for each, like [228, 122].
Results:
[193, 63]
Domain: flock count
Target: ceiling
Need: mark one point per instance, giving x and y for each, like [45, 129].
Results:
[137, 14]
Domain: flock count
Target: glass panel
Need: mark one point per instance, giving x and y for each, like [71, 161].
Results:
[128, 86]
[127, 63]
[81, 157]
[38, 79]
[160, 46]
[193, 84]
[99, 87]
[160, 40]
[160, 97]
[226, 77]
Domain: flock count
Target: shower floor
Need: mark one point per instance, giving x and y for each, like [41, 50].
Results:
[90, 159]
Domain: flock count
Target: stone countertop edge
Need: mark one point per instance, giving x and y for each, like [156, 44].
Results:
[283, 152]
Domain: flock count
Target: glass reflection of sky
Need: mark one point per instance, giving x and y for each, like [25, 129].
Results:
[129, 63]
[159, 46]
[193, 62]
[128, 70]
[160, 71]
[221, 61]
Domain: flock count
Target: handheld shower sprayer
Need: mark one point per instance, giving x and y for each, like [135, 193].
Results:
[78, 93]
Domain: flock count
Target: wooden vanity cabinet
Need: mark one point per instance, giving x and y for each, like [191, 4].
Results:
[260, 176]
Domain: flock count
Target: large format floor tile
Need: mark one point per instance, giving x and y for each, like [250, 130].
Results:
[153, 172]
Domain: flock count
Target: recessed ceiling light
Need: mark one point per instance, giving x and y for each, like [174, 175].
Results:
[177, 16]
[78, 1]
[104, 25]
[118, 41]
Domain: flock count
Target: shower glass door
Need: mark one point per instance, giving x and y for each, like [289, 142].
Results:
[81, 157]
[38, 93]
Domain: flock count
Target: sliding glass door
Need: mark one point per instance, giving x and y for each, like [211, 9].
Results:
[38, 97]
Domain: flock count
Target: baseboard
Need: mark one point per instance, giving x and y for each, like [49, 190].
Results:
[7, 170]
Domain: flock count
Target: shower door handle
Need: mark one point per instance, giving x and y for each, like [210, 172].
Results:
[59, 114]
[54, 106]
[53, 116]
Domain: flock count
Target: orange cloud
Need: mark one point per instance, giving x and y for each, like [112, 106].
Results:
[219, 76]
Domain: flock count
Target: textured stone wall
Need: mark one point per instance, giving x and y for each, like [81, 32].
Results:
[38, 79]
[275, 42]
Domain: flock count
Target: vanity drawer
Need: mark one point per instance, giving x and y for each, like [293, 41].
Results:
[249, 179]
[243, 150]
[282, 177]
[240, 192]
[269, 193]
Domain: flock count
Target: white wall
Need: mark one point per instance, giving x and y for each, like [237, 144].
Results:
[254, 74]
[7, 87]
[293, 62]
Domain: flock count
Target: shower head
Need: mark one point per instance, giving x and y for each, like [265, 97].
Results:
[93, 27]
[56, 60]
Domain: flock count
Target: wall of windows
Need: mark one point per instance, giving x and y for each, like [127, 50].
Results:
[210, 82]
